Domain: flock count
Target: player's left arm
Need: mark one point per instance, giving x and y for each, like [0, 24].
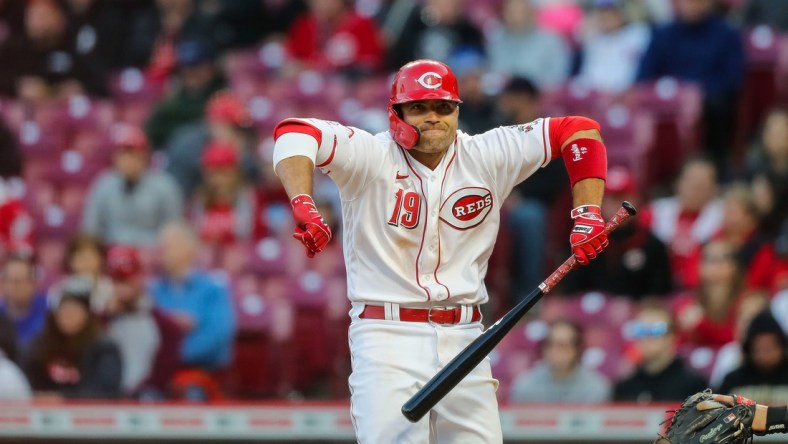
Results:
[579, 142]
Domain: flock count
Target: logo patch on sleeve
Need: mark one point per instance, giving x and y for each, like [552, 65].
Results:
[467, 207]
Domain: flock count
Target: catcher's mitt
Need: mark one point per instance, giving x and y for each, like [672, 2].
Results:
[702, 420]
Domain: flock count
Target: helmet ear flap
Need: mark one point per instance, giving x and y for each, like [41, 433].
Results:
[405, 134]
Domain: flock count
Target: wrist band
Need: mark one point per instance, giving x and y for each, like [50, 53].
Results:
[776, 419]
[585, 209]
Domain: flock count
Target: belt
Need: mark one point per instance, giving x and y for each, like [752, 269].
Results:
[437, 315]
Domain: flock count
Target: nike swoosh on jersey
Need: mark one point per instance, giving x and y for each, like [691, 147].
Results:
[401, 176]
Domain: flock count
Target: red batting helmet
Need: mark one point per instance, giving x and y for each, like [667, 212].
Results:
[419, 80]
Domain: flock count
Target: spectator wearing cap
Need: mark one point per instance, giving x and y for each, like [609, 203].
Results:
[85, 257]
[612, 52]
[148, 339]
[132, 202]
[661, 375]
[331, 35]
[226, 119]
[21, 301]
[199, 77]
[223, 210]
[637, 264]
[72, 357]
[519, 48]
[198, 303]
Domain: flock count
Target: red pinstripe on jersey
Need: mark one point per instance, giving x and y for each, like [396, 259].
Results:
[443, 181]
[424, 227]
[330, 156]
[544, 146]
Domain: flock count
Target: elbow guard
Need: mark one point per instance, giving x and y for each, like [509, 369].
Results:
[295, 138]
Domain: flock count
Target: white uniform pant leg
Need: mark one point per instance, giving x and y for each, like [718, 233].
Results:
[469, 412]
[389, 358]
[392, 360]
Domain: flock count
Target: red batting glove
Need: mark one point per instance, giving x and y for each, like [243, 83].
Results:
[588, 236]
[310, 229]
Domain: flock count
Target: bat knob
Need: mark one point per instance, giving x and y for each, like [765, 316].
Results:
[630, 208]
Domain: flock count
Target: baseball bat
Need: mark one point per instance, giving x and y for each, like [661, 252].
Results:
[462, 364]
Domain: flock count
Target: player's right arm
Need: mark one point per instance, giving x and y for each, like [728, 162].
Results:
[302, 144]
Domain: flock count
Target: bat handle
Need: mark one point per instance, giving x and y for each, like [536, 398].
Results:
[625, 212]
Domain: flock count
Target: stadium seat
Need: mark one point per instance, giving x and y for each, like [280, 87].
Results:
[761, 45]
[53, 222]
[782, 67]
[700, 358]
[268, 256]
[676, 108]
[131, 85]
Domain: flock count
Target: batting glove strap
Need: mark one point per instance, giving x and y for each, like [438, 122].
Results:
[587, 210]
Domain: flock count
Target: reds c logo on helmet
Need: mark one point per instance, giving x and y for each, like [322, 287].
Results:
[419, 80]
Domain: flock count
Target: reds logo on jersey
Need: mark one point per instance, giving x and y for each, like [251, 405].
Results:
[467, 207]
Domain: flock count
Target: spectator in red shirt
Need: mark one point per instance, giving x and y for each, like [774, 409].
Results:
[223, 211]
[708, 315]
[739, 227]
[689, 218]
[332, 35]
[769, 270]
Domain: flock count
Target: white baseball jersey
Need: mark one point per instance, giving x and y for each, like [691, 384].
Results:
[414, 235]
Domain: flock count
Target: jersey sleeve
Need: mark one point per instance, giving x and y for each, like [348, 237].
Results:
[350, 156]
[512, 153]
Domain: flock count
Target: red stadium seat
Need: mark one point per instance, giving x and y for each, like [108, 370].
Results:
[762, 50]
[268, 257]
[676, 109]
[131, 85]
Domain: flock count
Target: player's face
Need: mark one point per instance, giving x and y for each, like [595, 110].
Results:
[436, 119]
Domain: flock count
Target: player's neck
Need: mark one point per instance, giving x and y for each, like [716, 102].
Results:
[429, 160]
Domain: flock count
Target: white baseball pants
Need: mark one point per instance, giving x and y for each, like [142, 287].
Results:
[392, 359]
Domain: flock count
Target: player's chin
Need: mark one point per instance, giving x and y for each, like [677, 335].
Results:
[434, 143]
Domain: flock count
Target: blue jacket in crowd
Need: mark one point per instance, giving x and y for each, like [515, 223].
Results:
[710, 52]
[29, 326]
[207, 300]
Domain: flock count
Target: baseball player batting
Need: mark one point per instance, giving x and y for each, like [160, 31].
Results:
[421, 209]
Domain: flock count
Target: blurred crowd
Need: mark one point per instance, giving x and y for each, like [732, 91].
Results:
[145, 241]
